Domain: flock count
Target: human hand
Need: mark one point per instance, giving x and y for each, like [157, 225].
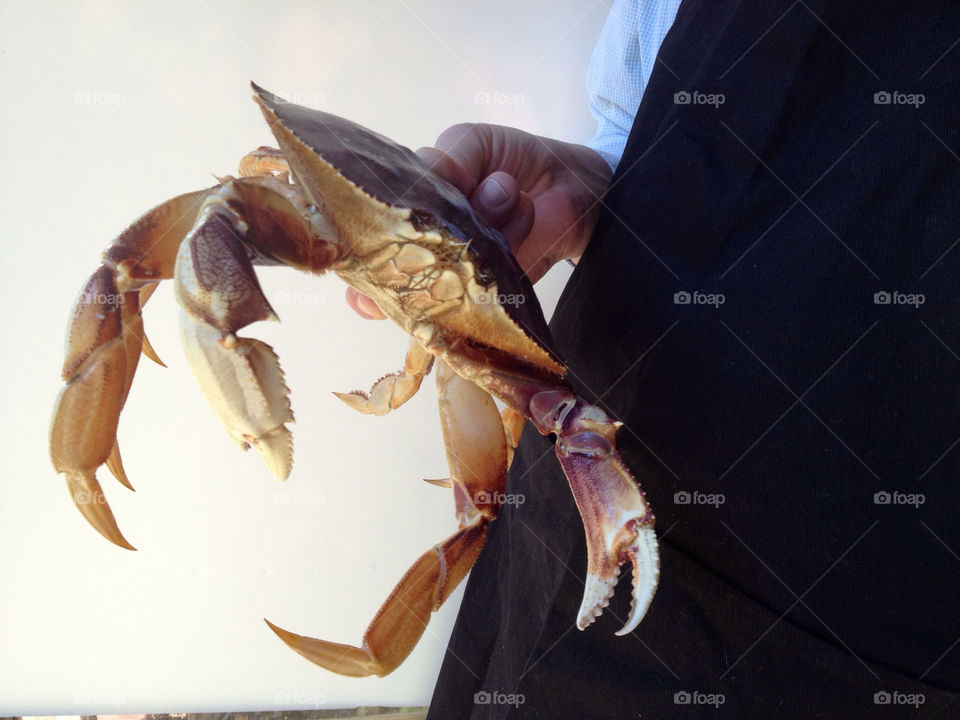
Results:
[541, 194]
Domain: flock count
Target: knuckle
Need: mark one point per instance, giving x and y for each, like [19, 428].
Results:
[454, 135]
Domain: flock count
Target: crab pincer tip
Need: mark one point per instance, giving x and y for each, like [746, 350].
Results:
[646, 574]
[278, 630]
[90, 501]
[597, 592]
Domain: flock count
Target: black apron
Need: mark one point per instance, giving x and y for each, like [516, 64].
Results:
[770, 304]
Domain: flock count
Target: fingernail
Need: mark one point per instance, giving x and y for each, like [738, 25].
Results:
[492, 193]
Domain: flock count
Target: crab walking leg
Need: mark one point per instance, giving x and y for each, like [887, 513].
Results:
[402, 619]
[617, 520]
[265, 161]
[393, 390]
[104, 343]
[84, 430]
[477, 456]
[106, 335]
[136, 342]
[133, 342]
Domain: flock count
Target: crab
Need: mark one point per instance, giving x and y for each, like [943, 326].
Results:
[338, 197]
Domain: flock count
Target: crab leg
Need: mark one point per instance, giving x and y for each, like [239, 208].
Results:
[477, 456]
[218, 290]
[616, 517]
[104, 343]
[106, 337]
[393, 390]
[617, 520]
[241, 377]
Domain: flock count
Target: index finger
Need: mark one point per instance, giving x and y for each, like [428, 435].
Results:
[449, 169]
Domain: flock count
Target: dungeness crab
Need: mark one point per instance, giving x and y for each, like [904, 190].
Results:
[339, 197]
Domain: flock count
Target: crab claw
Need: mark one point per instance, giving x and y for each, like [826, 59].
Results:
[598, 589]
[241, 377]
[616, 517]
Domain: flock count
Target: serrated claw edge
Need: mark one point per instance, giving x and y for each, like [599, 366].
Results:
[617, 520]
[646, 573]
[598, 590]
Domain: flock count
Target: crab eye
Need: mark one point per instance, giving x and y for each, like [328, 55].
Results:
[421, 220]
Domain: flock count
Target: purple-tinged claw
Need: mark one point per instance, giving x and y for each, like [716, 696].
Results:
[616, 518]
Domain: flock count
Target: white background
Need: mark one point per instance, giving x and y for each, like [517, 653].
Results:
[109, 108]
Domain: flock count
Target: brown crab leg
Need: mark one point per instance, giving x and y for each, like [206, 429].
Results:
[617, 520]
[136, 342]
[393, 390]
[477, 456]
[106, 336]
[402, 619]
[104, 343]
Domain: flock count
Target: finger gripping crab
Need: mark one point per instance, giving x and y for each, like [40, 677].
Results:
[338, 197]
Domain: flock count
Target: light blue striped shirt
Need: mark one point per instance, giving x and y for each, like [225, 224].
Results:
[620, 68]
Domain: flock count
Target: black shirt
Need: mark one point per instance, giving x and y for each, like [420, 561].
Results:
[770, 303]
